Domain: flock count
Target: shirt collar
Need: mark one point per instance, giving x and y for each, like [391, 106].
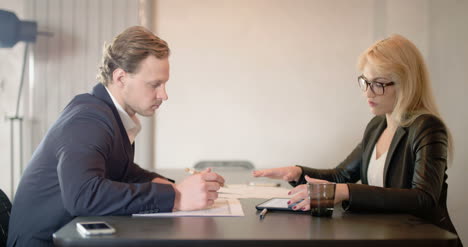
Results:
[131, 124]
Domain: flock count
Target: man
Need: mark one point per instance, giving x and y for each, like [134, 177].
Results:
[84, 165]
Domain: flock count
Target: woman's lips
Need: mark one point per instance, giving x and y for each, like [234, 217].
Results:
[371, 103]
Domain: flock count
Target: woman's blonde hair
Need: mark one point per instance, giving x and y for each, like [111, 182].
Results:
[400, 58]
[128, 49]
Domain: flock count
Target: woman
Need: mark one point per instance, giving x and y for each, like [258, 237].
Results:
[402, 157]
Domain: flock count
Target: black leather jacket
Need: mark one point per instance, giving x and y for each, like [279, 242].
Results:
[414, 172]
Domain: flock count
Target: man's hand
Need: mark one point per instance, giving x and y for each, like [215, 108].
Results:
[197, 191]
[289, 173]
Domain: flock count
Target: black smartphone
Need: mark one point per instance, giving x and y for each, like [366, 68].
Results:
[276, 204]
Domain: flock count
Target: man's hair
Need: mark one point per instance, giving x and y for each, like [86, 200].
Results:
[128, 49]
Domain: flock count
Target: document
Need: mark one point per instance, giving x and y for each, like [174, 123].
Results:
[248, 191]
[221, 207]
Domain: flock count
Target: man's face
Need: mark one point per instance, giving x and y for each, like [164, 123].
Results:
[144, 91]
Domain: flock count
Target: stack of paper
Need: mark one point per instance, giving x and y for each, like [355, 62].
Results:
[248, 191]
[221, 207]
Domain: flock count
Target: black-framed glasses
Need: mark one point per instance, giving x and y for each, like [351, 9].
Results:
[378, 88]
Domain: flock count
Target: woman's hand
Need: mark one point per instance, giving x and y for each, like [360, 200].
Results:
[301, 197]
[289, 173]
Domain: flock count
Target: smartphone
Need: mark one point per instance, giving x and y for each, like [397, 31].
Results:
[91, 228]
[277, 204]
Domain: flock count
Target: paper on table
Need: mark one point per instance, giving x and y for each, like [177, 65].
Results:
[247, 191]
[221, 207]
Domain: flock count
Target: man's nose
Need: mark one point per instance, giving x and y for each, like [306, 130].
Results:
[162, 94]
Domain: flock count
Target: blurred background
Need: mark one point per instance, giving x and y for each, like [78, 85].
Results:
[269, 81]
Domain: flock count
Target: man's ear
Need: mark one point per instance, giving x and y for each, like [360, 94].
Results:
[118, 77]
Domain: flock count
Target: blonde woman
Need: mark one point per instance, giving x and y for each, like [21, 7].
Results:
[403, 155]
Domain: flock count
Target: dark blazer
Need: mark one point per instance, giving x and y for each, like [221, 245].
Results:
[5, 210]
[83, 166]
[414, 172]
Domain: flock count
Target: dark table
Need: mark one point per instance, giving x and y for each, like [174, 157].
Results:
[276, 229]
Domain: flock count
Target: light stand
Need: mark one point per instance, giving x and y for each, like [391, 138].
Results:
[13, 119]
[13, 31]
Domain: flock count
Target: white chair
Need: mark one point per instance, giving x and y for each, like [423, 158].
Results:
[224, 164]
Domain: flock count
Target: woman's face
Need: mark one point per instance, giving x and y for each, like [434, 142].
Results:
[382, 98]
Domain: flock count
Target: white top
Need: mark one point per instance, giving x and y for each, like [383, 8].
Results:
[375, 170]
[131, 124]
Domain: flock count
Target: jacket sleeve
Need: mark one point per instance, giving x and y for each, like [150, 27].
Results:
[136, 174]
[83, 144]
[429, 143]
[348, 171]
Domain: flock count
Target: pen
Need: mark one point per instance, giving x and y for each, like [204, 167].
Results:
[192, 172]
[263, 213]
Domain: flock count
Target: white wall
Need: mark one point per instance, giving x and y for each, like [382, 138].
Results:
[274, 81]
[448, 63]
[262, 80]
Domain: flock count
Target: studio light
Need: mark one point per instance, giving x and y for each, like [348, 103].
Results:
[14, 30]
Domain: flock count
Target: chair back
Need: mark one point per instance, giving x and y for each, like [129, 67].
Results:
[5, 210]
[224, 164]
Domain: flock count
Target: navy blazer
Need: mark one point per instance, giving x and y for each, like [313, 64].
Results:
[83, 167]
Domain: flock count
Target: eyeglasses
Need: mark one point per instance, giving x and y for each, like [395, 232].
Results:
[378, 88]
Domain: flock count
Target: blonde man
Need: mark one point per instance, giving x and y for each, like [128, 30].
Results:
[84, 165]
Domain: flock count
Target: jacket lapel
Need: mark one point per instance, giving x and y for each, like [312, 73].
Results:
[399, 134]
[100, 92]
[374, 137]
